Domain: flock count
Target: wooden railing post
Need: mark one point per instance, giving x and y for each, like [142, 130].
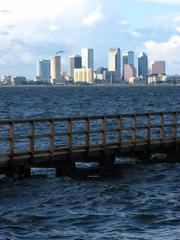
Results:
[174, 126]
[51, 134]
[11, 140]
[119, 131]
[134, 129]
[70, 134]
[104, 132]
[32, 138]
[162, 127]
[87, 133]
[149, 128]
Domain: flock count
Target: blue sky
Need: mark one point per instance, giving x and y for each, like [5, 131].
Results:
[32, 29]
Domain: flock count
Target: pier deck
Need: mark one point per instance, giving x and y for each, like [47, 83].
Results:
[61, 142]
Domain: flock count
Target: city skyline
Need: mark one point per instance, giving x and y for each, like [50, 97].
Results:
[30, 32]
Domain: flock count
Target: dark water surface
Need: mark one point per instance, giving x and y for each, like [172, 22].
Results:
[143, 204]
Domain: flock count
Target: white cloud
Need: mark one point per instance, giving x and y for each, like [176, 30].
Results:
[54, 28]
[4, 41]
[4, 60]
[176, 19]
[40, 27]
[175, 2]
[178, 29]
[135, 34]
[40, 9]
[27, 58]
[168, 51]
[33, 22]
[124, 23]
[93, 18]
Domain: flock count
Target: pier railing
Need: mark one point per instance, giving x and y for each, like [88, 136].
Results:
[29, 137]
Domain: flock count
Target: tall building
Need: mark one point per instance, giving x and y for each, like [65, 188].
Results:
[129, 72]
[87, 58]
[114, 64]
[127, 58]
[75, 62]
[159, 67]
[43, 70]
[55, 68]
[143, 65]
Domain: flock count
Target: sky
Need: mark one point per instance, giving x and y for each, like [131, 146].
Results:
[37, 29]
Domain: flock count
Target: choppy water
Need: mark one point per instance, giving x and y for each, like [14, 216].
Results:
[143, 204]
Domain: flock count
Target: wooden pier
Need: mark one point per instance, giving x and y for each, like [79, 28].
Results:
[62, 142]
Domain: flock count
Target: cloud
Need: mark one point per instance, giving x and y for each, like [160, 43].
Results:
[41, 27]
[6, 59]
[178, 29]
[27, 58]
[174, 2]
[93, 18]
[176, 19]
[39, 9]
[4, 33]
[124, 23]
[37, 22]
[168, 50]
[135, 34]
[54, 28]
[5, 11]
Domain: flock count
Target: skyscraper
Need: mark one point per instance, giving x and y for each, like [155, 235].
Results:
[114, 64]
[75, 62]
[159, 67]
[55, 69]
[129, 72]
[87, 58]
[127, 58]
[143, 65]
[43, 70]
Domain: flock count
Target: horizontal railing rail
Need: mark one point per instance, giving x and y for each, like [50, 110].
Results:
[50, 136]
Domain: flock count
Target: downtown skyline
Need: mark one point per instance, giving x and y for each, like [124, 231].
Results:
[30, 32]
[121, 69]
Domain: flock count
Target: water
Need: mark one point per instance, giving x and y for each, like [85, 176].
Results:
[143, 204]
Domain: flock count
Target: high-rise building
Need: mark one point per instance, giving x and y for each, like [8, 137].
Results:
[55, 69]
[127, 58]
[129, 72]
[87, 58]
[114, 64]
[43, 70]
[143, 65]
[75, 62]
[159, 67]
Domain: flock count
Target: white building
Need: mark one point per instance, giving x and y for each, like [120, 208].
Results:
[84, 75]
[87, 58]
[156, 79]
[55, 66]
[114, 64]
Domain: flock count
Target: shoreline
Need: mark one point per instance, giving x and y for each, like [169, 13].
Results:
[93, 85]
